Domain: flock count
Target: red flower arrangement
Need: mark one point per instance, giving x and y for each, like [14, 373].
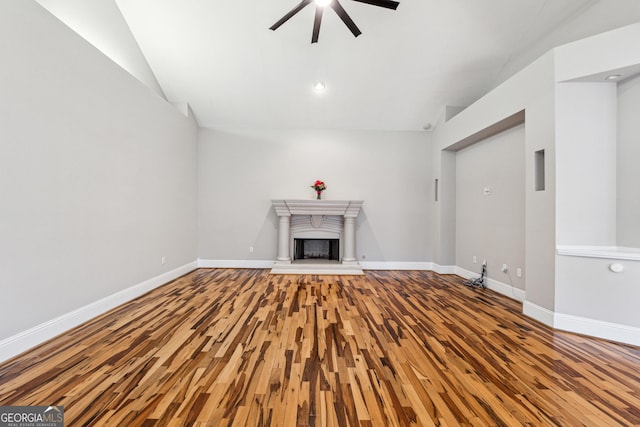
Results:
[319, 186]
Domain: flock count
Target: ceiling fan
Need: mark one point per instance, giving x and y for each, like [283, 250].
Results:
[337, 7]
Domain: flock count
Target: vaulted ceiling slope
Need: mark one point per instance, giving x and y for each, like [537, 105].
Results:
[222, 59]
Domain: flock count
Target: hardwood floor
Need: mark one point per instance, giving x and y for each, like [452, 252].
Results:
[242, 347]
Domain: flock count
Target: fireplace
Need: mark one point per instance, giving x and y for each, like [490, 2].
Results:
[316, 249]
[316, 236]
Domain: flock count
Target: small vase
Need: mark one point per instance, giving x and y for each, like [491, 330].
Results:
[319, 195]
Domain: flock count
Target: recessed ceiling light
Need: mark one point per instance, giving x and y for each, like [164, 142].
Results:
[322, 3]
[613, 77]
[319, 87]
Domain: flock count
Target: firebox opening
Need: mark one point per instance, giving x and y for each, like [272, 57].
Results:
[321, 249]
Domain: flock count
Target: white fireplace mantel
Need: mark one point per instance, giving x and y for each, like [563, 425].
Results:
[317, 210]
[346, 208]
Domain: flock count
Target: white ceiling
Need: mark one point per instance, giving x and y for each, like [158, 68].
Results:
[221, 57]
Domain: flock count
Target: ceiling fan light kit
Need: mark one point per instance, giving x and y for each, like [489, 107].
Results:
[338, 9]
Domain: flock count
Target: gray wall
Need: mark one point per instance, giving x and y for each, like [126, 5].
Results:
[101, 23]
[592, 17]
[586, 164]
[444, 218]
[590, 290]
[241, 171]
[628, 172]
[531, 90]
[576, 125]
[97, 173]
[492, 227]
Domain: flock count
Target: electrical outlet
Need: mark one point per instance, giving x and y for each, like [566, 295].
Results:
[484, 262]
[504, 268]
[251, 249]
[519, 272]
[475, 260]
[163, 260]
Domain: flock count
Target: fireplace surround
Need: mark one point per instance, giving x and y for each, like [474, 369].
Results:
[331, 220]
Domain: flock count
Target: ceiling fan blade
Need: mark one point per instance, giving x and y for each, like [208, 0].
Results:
[316, 24]
[288, 16]
[335, 5]
[389, 4]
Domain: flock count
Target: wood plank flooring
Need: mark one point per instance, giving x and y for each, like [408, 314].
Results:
[228, 347]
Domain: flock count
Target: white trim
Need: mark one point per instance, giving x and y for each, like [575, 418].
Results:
[609, 252]
[331, 268]
[538, 313]
[23, 341]
[444, 269]
[234, 263]
[366, 265]
[346, 208]
[598, 328]
[395, 265]
[501, 288]
[582, 325]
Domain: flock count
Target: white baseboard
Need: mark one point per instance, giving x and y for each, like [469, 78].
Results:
[234, 263]
[598, 328]
[366, 265]
[501, 288]
[582, 325]
[395, 265]
[23, 341]
[19, 343]
[541, 314]
[444, 269]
